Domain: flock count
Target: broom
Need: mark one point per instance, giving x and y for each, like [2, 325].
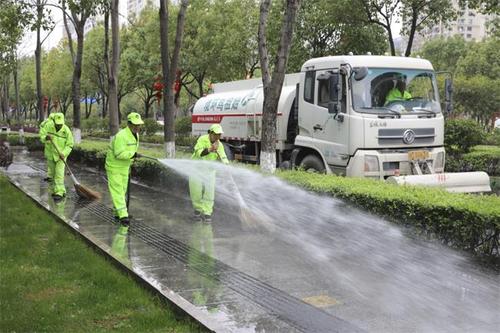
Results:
[82, 191]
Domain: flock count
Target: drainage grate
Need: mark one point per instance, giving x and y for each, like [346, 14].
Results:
[293, 311]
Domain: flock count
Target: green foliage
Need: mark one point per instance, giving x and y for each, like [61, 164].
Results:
[33, 143]
[444, 53]
[330, 28]
[480, 158]
[151, 126]
[464, 221]
[183, 126]
[462, 134]
[478, 97]
[482, 59]
[493, 138]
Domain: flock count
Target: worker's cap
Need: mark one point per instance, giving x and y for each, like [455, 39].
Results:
[51, 115]
[135, 118]
[216, 128]
[58, 118]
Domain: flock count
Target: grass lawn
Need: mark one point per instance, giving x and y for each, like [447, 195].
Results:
[51, 281]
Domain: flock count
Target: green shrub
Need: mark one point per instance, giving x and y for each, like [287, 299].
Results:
[33, 143]
[493, 138]
[464, 221]
[151, 126]
[480, 158]
[462, 134]
[186, 141]
[183, 126]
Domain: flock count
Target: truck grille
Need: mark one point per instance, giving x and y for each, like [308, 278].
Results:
[388, 136]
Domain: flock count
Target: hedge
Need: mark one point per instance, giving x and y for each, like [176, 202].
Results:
[469, 222]
[481, 158]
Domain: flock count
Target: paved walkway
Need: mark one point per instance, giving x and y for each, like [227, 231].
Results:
[233, 278]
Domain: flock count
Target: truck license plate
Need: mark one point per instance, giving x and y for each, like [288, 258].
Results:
[418, 155]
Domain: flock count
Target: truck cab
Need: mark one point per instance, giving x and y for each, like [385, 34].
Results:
[369, 116]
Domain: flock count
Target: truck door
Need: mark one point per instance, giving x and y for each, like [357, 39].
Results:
[331, 133]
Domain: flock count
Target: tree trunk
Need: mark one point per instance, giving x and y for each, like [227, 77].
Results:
[163, 13]
[38, 62]
[273, 86]
[411, 36]
[114, 124]
[16, 88]
[77, 74]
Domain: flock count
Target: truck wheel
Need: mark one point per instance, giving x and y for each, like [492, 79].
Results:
[228, 151]
[312, 163]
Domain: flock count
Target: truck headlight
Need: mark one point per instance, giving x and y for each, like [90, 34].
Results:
[371, 163]
[439, 161]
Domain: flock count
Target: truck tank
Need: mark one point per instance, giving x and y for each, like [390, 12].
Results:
[237, 106]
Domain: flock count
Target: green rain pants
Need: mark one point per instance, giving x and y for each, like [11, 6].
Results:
[50, 169]
[202, 192]
[56, 173]
[117, 184]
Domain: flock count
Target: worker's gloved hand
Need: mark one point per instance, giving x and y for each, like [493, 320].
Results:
[61, 156]
[213, 147]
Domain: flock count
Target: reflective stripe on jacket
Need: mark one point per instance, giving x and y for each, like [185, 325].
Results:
[204, 142]
[121, 150]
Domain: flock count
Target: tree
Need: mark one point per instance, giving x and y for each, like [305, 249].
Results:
[415, 14]
[382, 13]
[80, 11]
[418, 14]
[220, 43]
[13, 17]
[331, 27]
[169, 68]
[444, 53]
[273, 84]
[113, 70]
[477, 97]
[482, 59]
[56, 75]
[140, 59]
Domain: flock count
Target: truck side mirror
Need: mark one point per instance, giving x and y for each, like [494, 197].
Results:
[448, 95]
[335, 93]
[360, 73]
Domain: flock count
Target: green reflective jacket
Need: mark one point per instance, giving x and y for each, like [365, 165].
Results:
[63, 139]
[47, 151]
[121, 150]
[204, 142]
[395, 95]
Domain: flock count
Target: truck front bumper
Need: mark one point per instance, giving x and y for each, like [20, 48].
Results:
[381, 164]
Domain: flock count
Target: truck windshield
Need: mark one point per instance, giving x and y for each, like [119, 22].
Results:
[396, 91]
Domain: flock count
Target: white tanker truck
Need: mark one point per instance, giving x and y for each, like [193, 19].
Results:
[334, 117]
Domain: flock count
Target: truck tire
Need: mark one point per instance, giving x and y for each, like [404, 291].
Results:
[312, 163]
[228, 151]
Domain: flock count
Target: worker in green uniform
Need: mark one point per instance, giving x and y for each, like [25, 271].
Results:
[398, 93]
[202, 187]
[47, 147]
[119, 158]
[59, 144]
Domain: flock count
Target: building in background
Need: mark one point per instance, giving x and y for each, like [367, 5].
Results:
[470, 24]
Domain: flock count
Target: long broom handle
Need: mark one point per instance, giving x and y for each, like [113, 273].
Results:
[64, 161]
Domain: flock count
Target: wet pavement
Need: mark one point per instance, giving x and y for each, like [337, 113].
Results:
[279, 276]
